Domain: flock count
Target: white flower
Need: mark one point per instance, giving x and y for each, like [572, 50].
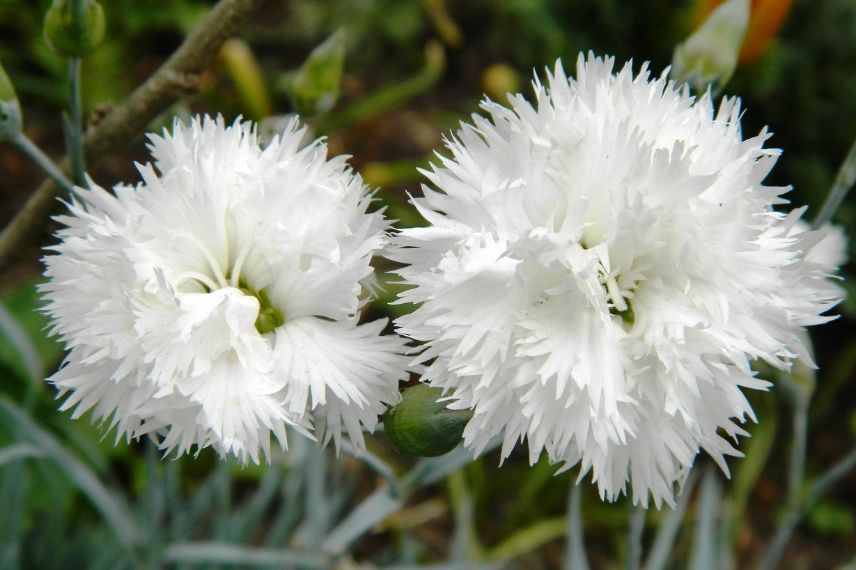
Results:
[600, 271]
[831, 250]
[216, 302]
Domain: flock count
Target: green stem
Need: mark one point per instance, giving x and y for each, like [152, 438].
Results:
[78, 13]
[34, 153]
[660, 551]
[634, 536]
[842, 185]
[796, 472]
[834, 474]
[575, 549]
[792, 518]
[795, 505]
[74, 126]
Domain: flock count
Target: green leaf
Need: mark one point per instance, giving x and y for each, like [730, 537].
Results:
[18, 350]
[371, 511]
[391, 96]
[661, 548]
[112, 507]
[529, 538]
[831, 519]
[225, 553]
[431, 470]
[18, 451]
[24, 345]
[13, 491]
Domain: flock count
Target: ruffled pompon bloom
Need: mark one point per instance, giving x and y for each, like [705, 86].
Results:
[216, 302]
[600, 270]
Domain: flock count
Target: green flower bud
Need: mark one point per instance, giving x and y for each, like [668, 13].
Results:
[7, 90]
[74, 28]
[315, 87]
[420, 425]
[10, 110]
[709, 56]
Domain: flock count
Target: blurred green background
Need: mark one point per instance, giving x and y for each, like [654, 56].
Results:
[70, 498]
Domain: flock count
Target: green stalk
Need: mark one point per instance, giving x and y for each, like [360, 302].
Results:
[794, 506]
[829, 478]
[74, 125]
[34, 153]
[634, 536]
[842, 185]
[575, 549]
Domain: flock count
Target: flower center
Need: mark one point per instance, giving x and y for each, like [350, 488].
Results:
[270, 317]
[619, 299]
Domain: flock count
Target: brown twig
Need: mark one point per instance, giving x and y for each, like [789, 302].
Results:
[178, 75]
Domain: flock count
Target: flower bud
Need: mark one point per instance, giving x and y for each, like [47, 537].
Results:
[499, 80]
[315, 87]
[709, 56]
[74, 28]
[421, 425]
[10, 110]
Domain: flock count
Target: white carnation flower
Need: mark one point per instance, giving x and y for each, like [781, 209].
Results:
[600, 271]
[216, 302]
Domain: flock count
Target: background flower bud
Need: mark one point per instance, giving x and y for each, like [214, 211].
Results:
[315, 87]
[10, 110]
[709, 56]
[74, 28]
[423, 426]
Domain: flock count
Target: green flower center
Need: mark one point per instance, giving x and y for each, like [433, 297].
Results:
[270, 316]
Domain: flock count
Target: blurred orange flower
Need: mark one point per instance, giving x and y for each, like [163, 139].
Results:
[767, 16]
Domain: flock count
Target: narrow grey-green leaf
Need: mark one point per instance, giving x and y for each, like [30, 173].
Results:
[704, 549]
[662, 547]
[428, 471]
[23, 346]
[226, 553]
[18, 451]
[112, 507]
[370, 512]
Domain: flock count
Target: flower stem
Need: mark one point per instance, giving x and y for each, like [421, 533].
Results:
[634, 537]
[43, 161]
[843, 183]
[74, 125]
[829, 478]
[575, 550]
[661, 549]
[795, 505]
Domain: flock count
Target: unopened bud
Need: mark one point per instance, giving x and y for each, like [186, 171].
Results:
[315, 87]
[709, 56]
[421, 425]
[74, 28]
[10, 110]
